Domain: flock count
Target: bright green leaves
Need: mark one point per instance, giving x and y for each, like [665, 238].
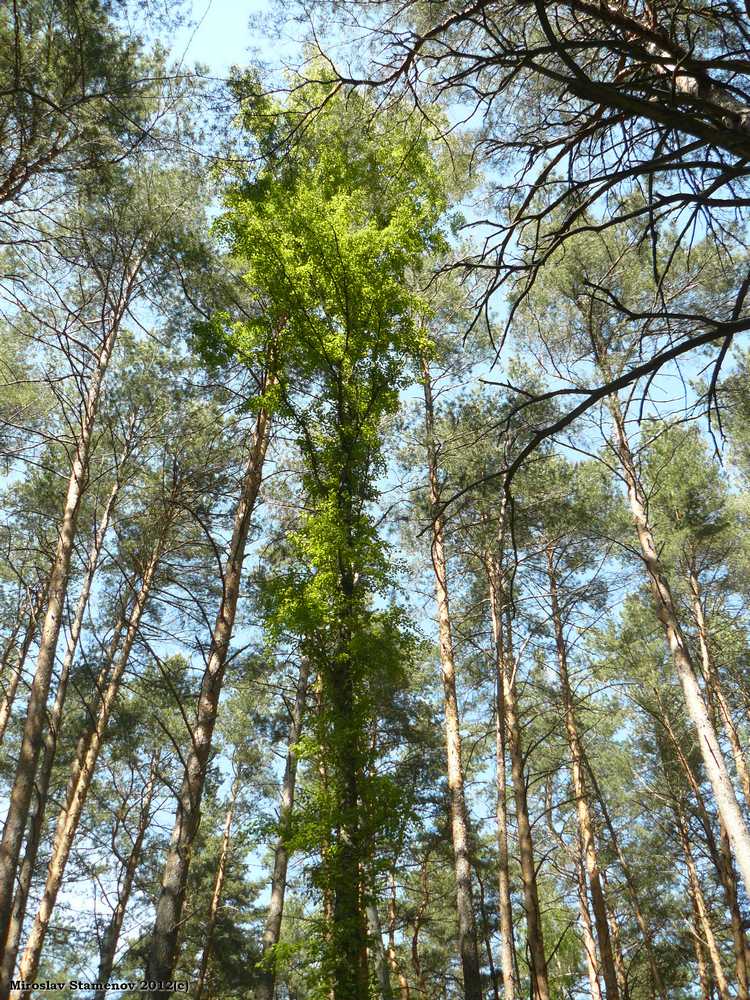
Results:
[328, 239]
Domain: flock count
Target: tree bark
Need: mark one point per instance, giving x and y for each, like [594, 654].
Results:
[82, 773]
[163, 954]
[657, 982]
[721, 856]
[507, 949]
[382, 971]
[272, 930]
[583, 811]
[587, 929]
[713, 756]
[111, 936]
[535, 936]
[31, 745]
[699, 905]
[403, 982]
[467, 932]
[221, 870]
[9, 692]
[715, 691]
[486, 937]
[36, 818]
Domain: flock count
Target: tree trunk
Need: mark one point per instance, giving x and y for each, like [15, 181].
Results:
[587, 929]
[221, 869]
[617, 952]
[535, 937]
[36, 818]
[657, 981]
[111, 936]
[486, 937]
[715, 691]
[713, 756]
[403, 983]
[31, 745]
[507, 951]
[382, 972]
[163, 955]
[699, 905]
[424, 902]
[585, 824]
[722, 860]
[467, 933]
[272, 930]
[9, 692]
[82, 773]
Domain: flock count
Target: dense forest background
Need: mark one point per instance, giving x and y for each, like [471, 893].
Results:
[375, 532]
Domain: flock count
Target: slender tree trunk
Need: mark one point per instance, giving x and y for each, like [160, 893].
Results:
[80, 781]
[9, 692]
[507, 951]
[715, 690]
[616, 938]
[163, 955]
[31, 745]
[487, 939]
[721, 856]
[272, 931]
[111, 936]
[583, 811]
[700, 956]
[587, 929]
[535, 937]
[713, 756]
[728, 878]
[424, 902]
[657, 981]
[221, 869]
[41, 790]
[403, 983]
[380, 957]
[699, 906]
[467, 932]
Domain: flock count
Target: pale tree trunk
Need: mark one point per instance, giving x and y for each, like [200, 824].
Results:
[486, 938]
[721, 856]
[9, 692]
[715, 691]
[403, 982]
[583, 811]
[163, 954]
[111, 936]
[587, 929]
[507, 949]
[699, 905]
[617, 952]
[36, 818]
[36, 829]
[467, 932]
[424, 902]
[713, 756]
[728, 878]
[272, 930]
[31, 745]
[375, 932]
[700, 955]
[82, 774]
[657, 981]
[506, 666]
[221, 869]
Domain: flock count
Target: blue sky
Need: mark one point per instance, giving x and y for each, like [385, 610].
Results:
[220, 35]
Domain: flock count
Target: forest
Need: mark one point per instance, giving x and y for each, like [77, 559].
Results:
[375, 499]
